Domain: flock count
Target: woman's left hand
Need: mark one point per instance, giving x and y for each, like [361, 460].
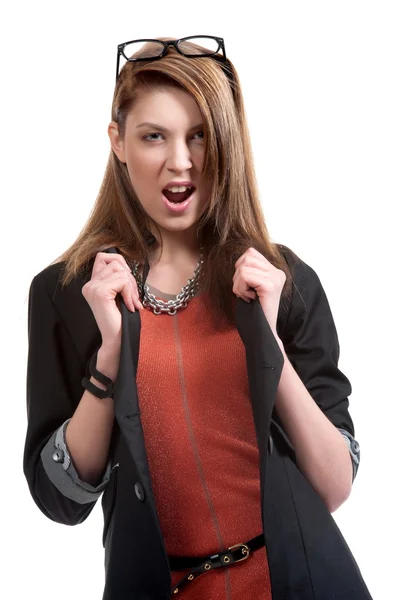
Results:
[253, 270]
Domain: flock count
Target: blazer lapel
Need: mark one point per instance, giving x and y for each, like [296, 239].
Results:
[264, 366]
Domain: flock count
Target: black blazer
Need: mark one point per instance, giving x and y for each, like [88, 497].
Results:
[308, 556]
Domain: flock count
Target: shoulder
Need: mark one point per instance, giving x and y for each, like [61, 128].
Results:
[49, 278]
[43, 288]
[48, 282]
[307, 296]
[297, 264]
[303, 274]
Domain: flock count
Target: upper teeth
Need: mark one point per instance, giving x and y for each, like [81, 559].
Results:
[180, 188]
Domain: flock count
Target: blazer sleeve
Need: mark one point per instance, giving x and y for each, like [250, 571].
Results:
[312, 346]
[58, 464]
[51, 402]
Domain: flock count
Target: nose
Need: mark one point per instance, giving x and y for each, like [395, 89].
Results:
[179, 157]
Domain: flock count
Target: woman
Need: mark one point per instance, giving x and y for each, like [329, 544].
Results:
[185, 365]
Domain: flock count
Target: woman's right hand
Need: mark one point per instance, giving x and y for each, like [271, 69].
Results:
[110, 275]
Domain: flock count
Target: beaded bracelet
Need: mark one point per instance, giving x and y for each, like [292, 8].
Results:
[95, 390]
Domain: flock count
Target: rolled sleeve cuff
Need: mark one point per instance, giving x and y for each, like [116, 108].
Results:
[60, 470]
[354, 450]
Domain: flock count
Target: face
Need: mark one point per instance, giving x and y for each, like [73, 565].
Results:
[164, 147]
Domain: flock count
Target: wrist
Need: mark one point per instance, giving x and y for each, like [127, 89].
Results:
[108, 360]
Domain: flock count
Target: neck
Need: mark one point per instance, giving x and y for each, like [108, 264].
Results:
[177, 250]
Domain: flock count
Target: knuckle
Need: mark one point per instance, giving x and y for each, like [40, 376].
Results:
[118, 268]
[123, 264]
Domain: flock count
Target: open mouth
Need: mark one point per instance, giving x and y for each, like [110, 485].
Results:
[178, 197]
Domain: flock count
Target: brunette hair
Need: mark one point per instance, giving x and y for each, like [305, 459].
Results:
[233, 221]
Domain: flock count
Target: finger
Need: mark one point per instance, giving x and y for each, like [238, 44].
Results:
[135, 294]
[107, 270]
[127, 287]
[245, 256]
[104, 258]
[128, 296]
[115, 267]
[99, 290]
[251, 294]
[243, 288]
[256, 262]
[243, 298]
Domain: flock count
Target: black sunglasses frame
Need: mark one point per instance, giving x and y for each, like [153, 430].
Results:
[175, 43]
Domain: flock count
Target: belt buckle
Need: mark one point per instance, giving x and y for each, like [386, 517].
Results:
[245, 550]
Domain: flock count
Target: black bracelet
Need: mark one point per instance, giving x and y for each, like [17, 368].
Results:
[95, 390]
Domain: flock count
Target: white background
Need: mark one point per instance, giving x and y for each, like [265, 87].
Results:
[320, 82]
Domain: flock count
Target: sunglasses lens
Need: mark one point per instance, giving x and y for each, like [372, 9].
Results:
[143, 49]
[202, 46]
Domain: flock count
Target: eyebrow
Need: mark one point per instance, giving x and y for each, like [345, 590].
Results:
[155, 126]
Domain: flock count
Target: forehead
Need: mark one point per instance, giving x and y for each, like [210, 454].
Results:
[168, 107]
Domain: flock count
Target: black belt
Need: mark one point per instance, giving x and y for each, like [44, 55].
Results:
[202, 564]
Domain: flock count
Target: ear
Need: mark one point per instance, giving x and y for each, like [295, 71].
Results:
[117, 144]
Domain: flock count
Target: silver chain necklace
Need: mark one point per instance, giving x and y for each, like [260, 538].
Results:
[158, 307]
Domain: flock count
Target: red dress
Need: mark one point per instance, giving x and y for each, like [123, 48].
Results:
[201, 444]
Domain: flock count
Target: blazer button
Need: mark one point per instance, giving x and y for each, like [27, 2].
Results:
[139, 491]
[58, 455]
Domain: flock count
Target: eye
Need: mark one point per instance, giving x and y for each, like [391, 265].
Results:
[200, 133]
[148, 137]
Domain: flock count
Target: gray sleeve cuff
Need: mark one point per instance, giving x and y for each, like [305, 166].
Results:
[60, 470]
[354, 450]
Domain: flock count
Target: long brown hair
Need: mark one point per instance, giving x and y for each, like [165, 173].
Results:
[233, 221]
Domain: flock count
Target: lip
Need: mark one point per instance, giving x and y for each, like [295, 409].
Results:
[177, 183]
[178, 207]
